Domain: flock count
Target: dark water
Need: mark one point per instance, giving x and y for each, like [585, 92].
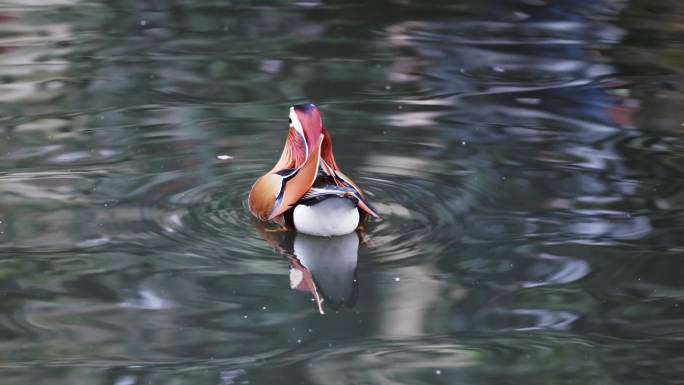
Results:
[526, 157]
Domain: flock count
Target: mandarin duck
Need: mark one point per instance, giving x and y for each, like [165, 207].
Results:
[305, 190]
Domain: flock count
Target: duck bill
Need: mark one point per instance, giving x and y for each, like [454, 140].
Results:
[298, 183]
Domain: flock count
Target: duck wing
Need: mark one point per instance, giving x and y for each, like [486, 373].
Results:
[275, 192]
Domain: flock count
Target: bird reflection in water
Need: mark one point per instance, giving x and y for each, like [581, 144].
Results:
[323, 266]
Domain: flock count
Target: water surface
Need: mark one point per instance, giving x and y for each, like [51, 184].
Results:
[526, 157]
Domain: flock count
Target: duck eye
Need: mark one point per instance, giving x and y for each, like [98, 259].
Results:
[289, 120]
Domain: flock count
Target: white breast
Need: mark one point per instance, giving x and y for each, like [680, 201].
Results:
[333, 216]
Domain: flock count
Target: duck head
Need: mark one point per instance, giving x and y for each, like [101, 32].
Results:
[305, 120]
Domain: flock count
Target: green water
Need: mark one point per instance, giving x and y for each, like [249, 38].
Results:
[526, 157]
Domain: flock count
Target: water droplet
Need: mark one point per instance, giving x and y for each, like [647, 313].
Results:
[388, 87]
[299, 341]
[143, 22]
[438, 372]
[224, 157]
[397, 279]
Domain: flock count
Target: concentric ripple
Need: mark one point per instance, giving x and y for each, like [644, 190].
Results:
[415, 215]
[213, 217]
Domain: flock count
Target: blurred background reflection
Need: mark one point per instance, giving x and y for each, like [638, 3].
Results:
[523, 155]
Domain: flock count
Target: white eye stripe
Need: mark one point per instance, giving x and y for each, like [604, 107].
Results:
[294, 122]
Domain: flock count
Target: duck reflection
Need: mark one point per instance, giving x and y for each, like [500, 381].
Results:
[326, 267]
[323, 266]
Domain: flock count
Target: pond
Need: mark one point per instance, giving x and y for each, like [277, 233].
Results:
[525, 157]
